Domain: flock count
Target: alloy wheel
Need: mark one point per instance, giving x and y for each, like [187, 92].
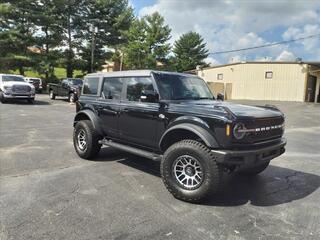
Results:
[188, 172]
[82, 143]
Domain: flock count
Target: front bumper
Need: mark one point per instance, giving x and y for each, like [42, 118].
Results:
[18, 95]
[245, 158]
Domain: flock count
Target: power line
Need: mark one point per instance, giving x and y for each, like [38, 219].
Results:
[266, 45]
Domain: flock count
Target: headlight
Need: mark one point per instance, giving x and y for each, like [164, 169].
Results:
[7, 89]
[237, 133]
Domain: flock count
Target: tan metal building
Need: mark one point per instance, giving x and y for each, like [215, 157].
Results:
[279, 81]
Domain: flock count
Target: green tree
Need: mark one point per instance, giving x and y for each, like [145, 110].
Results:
[100, 29]
[49, 36]
[190, 51]
[147, 42]
[17, 30]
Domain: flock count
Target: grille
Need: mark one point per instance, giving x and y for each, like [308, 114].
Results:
[271, 133]
[21, 89]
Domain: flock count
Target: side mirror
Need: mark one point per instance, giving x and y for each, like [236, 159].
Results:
[220, 97]
[149, 96]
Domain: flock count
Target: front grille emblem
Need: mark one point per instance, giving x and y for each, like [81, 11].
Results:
[261, 129]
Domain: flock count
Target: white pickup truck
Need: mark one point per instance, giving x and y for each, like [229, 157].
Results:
[15, 87]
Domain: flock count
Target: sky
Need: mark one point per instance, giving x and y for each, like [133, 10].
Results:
[234, 24]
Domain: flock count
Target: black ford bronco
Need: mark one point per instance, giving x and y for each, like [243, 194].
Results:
[174, 118]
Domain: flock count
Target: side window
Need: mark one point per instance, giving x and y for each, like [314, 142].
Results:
[64, 82]
[268, 75]
[140, 89]
[90, 85]
[220, 76]
[112, 88]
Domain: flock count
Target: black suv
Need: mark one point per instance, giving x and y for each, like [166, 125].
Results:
[174, 118]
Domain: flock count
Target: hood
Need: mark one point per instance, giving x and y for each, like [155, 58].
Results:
[11, 83]
[239, 111]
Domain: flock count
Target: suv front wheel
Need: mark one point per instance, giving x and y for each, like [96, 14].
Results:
[189, 171]
[52, 95]
[86, 140]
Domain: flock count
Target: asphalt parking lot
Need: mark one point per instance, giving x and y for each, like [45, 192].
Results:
[48, 192]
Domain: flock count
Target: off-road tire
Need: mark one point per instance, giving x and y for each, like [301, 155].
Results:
[254, 170]
[92, 140]
[72, 97]
[212, 173]
[31, 100]
[2, 98]
[52, 95]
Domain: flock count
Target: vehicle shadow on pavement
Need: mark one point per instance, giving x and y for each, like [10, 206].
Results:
[276, 185]
[24, 102]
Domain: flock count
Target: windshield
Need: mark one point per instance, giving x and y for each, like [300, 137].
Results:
[179, 87]
[76, 81]
[9, 78]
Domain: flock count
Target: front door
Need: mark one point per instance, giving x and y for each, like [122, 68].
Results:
[139, 112]
[63, 90]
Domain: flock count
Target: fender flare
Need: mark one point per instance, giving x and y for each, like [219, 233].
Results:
[201, 132]
[88, 114]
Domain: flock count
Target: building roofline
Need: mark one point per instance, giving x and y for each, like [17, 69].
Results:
[316, 63]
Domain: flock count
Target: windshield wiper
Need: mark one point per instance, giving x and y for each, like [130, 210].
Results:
[183, 98]
[204, 98]
[191, 98]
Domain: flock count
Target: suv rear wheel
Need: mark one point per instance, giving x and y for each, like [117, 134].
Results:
[189, 171]
[86, 140]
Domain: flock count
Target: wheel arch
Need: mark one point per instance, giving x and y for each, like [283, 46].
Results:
[88, 115]
[186, 131]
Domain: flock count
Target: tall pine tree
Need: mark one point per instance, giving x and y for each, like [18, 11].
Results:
[17, 31]
[147, 42]
[190, 51]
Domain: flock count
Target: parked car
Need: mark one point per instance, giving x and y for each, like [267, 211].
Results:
[68, 87]
[174, 118]
[15, 87]
[36, 82]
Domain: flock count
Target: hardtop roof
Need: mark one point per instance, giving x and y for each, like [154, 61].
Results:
[8, 74]
[135, 73]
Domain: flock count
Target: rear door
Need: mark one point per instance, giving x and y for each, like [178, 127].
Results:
[139, 114]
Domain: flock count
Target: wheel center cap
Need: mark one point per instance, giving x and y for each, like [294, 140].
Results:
[190, 171]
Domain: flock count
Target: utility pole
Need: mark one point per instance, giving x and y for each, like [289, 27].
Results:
[121, 60]
[93, 30]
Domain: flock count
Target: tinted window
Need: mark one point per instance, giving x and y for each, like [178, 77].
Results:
[112, 88]
[64, 82]
[139, 86]
[91, 85]
[8, 78]
[182, 87]
[75, 81]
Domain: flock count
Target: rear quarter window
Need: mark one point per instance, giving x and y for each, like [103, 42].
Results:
[91, 85]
